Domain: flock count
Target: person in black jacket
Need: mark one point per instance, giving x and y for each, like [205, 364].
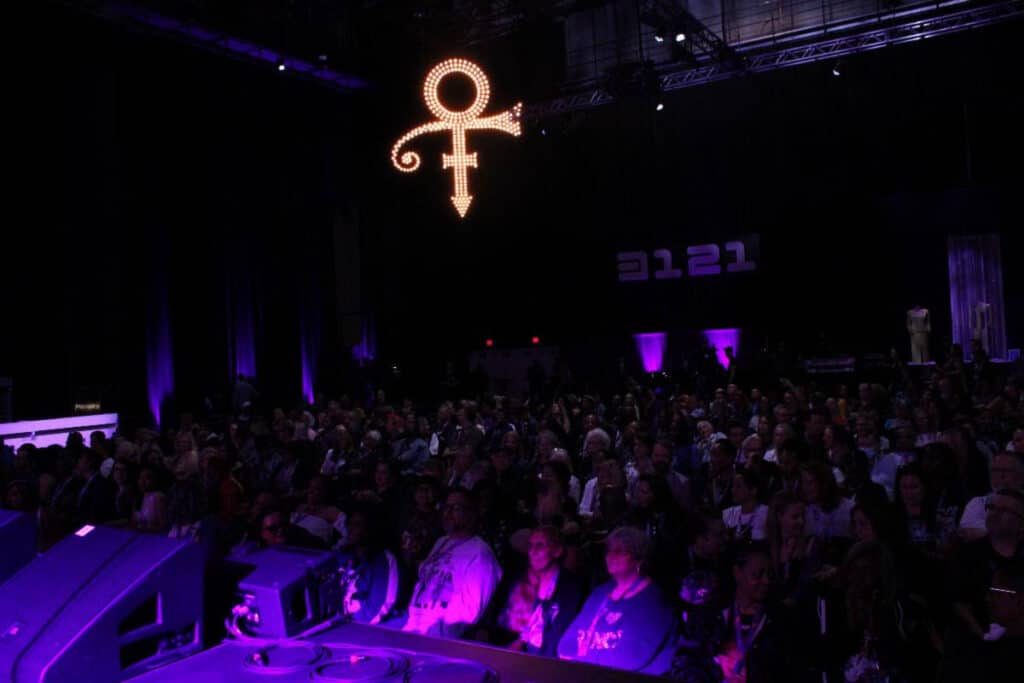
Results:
[532, 611]
[95, 501]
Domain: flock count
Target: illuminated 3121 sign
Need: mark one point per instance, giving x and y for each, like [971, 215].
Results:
[702, 260]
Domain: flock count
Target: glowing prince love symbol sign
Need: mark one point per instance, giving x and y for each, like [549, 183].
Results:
[458, 122]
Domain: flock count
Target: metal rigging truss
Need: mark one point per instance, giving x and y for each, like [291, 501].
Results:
[757, 59]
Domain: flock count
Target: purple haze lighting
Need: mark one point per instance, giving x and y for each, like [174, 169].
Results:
[651, 347]
[159, 361]
[975, 276]
[366, 349]
[241, 329]
[722, 338]
[245, 344]
[309, 344]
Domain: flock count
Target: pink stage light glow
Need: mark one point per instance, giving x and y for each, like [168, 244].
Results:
[722, 338]
[651, 347]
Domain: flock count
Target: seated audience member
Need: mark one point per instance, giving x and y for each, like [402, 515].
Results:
[275, 529]
[839, 448]
[370, 574]
[746, 520]
[151, 513]
[562, 456]
[751, 451]
[794, 552]
[95, 502]
[792, 453]
[780, 435]
[609, 476]
[861, 625]
[654, 512]
[422, 525]
[318, 516]
[1005, 642]
[19, 497]
[915, 510]
[828, 513]
[457, 578]
[873, 522]
[626, 623]
[679, 486]
[972, 572]
[127, 493]
[705, 552]
[533, 610]
[714, 486]
[747, 641]
[1006, 472]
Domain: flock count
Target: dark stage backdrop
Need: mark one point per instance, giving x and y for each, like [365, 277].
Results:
[852, 185]
[147, 167]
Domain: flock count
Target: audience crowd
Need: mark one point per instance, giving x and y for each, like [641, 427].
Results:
[693, 528]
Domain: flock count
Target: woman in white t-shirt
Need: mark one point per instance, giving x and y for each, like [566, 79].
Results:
[746, 520]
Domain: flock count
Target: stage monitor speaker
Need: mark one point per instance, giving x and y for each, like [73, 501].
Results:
[101, 606]
[287, 591]
[17, 542]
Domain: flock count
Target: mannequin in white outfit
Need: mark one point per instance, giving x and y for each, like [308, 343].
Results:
[919, 325]
[981, 320]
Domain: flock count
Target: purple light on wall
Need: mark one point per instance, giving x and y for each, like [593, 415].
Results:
[366, 349]
[975, 276]
[651, 347]
[159, 360]
[721, 339]
[241, 328]
[309, 343]
[245, 343]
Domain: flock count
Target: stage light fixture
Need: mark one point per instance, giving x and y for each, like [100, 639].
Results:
[535, 340]
[489, 343]
[837, 69]
[281, 66]
[659, 34]
[680, 36]
[660, 106]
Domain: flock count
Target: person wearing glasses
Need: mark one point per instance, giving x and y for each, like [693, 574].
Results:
[458, 577]
[1005, 602]
[626, 623]
[1006, 472]
[972, 572]
[532, 611]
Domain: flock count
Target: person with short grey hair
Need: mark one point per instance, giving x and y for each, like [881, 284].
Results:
[626, 623]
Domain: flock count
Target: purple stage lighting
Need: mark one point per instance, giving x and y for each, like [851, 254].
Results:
[651, 347]
[976, 277]
[721, 339]
[241, 329]
[309, 341]
[366, 350]
[307, 372]
[159, 361]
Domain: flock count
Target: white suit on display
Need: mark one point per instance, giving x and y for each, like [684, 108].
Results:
[919, 325]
